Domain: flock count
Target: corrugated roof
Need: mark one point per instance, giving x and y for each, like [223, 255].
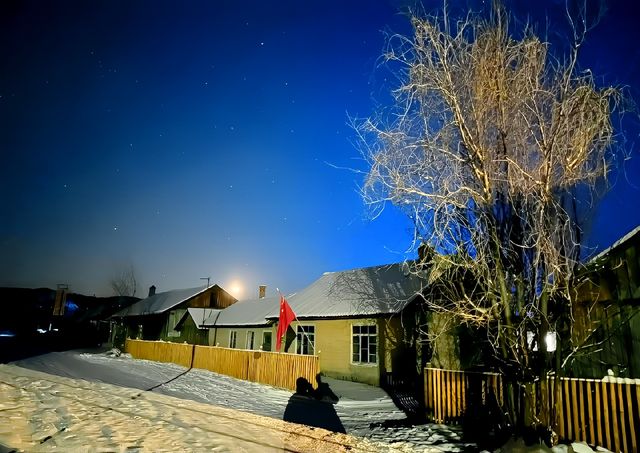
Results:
[160, 302]
[246, 313]
[368, 291]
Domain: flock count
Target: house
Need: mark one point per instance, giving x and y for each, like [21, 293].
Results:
[190, 327]
[607, 312]
[156, 317]
[352, 320]
[245, 325]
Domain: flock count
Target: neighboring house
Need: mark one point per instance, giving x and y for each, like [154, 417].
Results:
[608, 312]
[352, 320]
[244, 325]
[156, 317]
[191, 329]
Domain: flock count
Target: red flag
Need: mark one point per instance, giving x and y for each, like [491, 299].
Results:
[286, 317]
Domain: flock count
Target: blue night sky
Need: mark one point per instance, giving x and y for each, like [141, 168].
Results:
[201, 139]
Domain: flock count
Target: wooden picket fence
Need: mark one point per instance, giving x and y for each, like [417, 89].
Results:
[159, 351]
[605, 414]
[272, 368]
[449, 393]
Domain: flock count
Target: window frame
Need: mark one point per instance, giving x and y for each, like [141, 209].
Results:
[369, 335]
[233, 339]
[250, 334]
[305, 337]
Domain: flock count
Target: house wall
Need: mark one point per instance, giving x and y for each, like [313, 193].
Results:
[220, 336]
[334, 347]
[607, 315]
[189, 333]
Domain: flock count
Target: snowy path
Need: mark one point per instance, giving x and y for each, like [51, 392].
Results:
[361, 409]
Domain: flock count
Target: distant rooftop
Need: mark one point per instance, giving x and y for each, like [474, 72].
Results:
[160, 302]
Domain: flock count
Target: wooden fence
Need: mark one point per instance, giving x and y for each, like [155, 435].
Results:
[272, 368]
[159, 351]
[605, 414]
[449, 393]
[600, 413]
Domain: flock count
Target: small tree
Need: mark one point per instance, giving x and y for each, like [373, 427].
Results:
[124, 283]
[489, 147]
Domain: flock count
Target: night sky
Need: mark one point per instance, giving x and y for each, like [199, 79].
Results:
[201, 139]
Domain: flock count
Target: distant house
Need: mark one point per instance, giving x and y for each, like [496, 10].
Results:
[244, 325]
[351, 319]
[190, 327]
[157, 316]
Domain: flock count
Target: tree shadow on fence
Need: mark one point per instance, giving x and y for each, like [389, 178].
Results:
[313, 407]
[484, 420]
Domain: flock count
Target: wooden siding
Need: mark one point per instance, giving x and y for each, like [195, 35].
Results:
[607, 314]
[213, 297]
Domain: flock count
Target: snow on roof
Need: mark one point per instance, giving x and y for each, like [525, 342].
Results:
[615, 245]
[200, 315]
[246, 313]
[367, 291]
[160, 302]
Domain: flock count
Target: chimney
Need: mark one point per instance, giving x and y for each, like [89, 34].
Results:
[152, 290]
[262, 291]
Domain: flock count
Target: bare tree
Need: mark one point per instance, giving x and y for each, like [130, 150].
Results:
[124, 283]
[488, 147]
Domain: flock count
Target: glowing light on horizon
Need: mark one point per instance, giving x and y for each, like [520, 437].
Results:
[235, 289]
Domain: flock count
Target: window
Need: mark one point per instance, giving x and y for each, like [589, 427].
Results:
[549, 340]
[266, 341]
[233, 336]
[365, 344]
[251, 335]
[305, 340]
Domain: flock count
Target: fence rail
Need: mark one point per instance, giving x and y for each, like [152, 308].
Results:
[605, 414]
[272, 368]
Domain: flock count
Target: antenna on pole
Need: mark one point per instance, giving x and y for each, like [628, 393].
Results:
[207, 279]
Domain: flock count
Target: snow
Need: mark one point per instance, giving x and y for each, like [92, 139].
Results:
[364, 411]
[44, 412]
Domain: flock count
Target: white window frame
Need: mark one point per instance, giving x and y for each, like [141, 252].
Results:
[305, 338]
[250, 334]
[233, 339]
[377, 337]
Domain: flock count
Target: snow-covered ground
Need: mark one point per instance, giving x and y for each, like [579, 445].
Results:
[362, 410]
[40, 412]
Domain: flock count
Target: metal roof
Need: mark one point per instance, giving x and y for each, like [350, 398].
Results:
[160, 302]
[368, 291]
[200, 315]
[246, 313]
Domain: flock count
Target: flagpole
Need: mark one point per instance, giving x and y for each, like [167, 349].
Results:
[296, 318]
